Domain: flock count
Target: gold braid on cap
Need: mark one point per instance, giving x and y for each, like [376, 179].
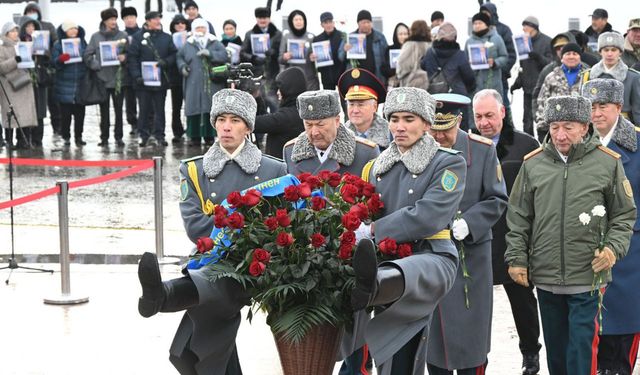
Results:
[445, 121]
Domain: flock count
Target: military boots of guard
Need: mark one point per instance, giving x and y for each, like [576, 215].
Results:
[375, 286]
[158, 296]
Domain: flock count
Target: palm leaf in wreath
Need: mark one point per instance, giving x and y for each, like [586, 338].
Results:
[296, 322]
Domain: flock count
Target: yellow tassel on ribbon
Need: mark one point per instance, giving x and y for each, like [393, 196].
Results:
[207, 206]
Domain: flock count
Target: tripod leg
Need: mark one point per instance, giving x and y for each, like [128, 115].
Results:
[6, 282]
[35, 269]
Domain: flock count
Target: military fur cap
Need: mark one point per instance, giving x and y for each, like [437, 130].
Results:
[567, 108]
[235, 102]
[611, 39]
[604, 91]
[317, 105]
[410, 99]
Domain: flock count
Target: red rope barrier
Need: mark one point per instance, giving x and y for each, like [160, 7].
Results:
[30, 197]
[73, 163]
[111, 176]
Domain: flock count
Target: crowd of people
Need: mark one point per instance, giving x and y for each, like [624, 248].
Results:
[454, 173]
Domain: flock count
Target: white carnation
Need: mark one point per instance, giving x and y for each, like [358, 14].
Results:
[599, 211]
[146, 35]
[144, 42]
[488, 44]
[584, 218]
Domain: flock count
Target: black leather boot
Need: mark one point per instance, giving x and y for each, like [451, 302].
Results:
[158, 296]
[374, 286]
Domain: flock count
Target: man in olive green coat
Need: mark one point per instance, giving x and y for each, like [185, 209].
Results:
[551, 241]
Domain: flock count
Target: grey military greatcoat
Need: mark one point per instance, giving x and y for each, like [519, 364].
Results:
[209, 329]
[461, 337]
[348, 154]
[421, 191]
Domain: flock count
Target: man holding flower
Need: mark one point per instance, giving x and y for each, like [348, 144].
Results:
[549, 243]
[205, 340]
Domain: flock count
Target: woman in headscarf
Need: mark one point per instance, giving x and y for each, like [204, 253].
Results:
[296, 46]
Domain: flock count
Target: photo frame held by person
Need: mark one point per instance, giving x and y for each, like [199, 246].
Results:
[179, 39]
[358, 44]
[71, 46]
[393, 57]
[298, 50]
[478, 57]
[109, 53]
[234, 52]
[322, 50]
[40, 40]
[151, 73]
[523, 46]
[260, 44]
[25, 51]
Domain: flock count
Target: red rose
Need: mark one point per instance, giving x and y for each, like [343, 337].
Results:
[291, 193]
[404, 250]
[324, 175]
[261, 255]
[345, 251]
[360, 210]
[282, 216]
[334, 179]
[257, 268]
[368, 190]
[348, 238]
[220, 211]
[388, 246]
[304, 190]
[235, 199]
[304, 176]
[318, 203]
[375, 204]
[236, 220]
[349, 193]
[220, 221]
[284, 239]
[251, 198]
[348, 178]
[204, 244]
[314, 182]
[350, 221]
[271, 223]
[317, 240]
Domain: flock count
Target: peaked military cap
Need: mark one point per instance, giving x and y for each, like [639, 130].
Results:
[361, 84]
[449, 110]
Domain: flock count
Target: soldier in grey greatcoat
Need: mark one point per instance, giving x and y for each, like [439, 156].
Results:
[421, 185]
[205, 340]
[461, 336]
[325, 143]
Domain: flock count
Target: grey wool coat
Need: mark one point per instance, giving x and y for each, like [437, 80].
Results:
[23, 100]
[378, 132]
[209, 329]
[196, 99]
[461, 337]
[91, 57]
[421, 191]
[348, 154]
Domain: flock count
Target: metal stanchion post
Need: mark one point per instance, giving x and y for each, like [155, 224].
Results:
[63, 222]
[157, 200]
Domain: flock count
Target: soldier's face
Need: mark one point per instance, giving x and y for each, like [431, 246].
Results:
[571, 59]
[407, 128]
[488, 115]
[322, 133]
[610, 55]
[232, 130]
[446, 138]
[361, 112]
[604, 116]
[564, 134]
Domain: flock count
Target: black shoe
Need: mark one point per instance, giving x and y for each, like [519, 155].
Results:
[2, 143]
[365, 267]
[530, 364]
[163, 143]
[152, 289]
[143, 143]
[134, 130]
[119, 143]
[103, 144]
[67, 142]
[176, 140]
[80, 142]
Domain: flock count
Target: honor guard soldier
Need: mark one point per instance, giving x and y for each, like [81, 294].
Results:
[461, 328]
[363, 93]
[421, 186]
[620, 338]
[205, 340]
[326, 144]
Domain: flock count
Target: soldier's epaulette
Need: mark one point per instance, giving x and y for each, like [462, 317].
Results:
[273, 158]
[532, 153]
[633, 70]
[449, 150]
[191, 159]
[609, 151]
[638, 129]
[366, 142]
[291, 142]
[480, 139]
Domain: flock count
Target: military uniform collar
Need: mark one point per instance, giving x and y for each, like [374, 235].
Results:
[618, 72]
[378, 132]
[343, 149]
[248, 159]
[625, 135]
[415, 159]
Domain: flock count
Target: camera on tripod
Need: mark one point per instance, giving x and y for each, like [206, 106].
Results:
[237, 76]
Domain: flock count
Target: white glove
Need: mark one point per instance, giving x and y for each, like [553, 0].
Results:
[460, 229]
[363, 231]
[203, 52]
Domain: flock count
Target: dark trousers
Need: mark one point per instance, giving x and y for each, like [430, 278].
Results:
[21, 136]
[131, 105]
[105, 121]
[618, 353]
[186, 363]
[112, 3]
[435, 370]
[176, 106]
[179, 4]
[66, 111]
[524, 308]
[147, 6]
[54, 110]
[570, 327]
[151, 102]
[527, 114]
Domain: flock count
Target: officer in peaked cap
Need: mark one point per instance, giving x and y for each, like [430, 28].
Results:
[363, 91]
[455, 324]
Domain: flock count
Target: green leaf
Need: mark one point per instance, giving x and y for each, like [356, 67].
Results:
[296, 322]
